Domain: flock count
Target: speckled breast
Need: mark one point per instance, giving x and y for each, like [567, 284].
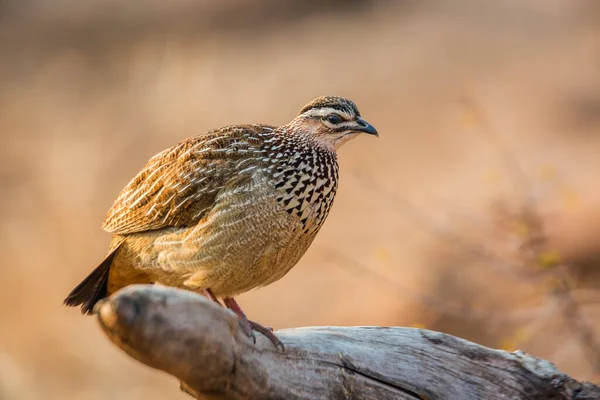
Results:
[306, 182]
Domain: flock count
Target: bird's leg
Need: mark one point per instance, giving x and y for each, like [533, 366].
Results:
[208, 293]
[250, 326]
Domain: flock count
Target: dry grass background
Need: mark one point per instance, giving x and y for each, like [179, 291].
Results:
[475, 213]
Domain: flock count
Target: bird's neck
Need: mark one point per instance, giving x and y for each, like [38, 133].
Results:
[306, 138]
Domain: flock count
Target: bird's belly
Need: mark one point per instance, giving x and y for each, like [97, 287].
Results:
[268, 262]
[242, 244]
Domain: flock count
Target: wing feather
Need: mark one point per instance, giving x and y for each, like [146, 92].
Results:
[178, 186]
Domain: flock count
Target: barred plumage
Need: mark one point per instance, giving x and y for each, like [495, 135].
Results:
[227, 211]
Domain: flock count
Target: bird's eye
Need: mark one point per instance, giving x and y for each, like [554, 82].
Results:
[334, 119]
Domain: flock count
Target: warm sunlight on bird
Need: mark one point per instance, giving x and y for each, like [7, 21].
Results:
[227, 211]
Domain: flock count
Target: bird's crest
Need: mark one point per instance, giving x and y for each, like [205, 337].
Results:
[337, 103]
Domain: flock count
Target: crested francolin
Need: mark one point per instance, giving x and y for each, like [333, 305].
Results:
[226, 211]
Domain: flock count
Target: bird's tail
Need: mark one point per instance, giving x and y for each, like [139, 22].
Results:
[93, 288]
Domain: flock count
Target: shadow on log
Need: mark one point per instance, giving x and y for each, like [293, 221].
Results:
[201, 344]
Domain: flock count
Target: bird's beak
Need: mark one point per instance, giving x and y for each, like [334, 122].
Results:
[364, 126]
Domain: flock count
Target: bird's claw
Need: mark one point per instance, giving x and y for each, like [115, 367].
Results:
[248, 327]
[268, 333]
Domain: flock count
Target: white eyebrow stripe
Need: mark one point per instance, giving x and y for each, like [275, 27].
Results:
[322, 112]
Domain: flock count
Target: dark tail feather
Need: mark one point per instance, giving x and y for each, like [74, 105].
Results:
[93, 288]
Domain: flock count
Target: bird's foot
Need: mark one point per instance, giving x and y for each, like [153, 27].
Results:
[248, 327]
[267, 332]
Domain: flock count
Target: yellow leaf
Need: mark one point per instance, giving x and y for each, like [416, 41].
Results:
[549, 259]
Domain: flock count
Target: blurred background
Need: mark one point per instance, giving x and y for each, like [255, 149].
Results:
[475, 213]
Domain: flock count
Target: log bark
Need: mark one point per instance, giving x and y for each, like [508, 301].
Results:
[202, 345]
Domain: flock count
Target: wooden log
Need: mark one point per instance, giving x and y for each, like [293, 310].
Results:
[202, 345]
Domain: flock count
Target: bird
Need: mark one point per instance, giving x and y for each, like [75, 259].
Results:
[226, 211]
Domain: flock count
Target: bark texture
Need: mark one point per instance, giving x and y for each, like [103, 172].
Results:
[202, 345]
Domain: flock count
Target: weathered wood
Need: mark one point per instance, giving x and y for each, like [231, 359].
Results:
[201, 344]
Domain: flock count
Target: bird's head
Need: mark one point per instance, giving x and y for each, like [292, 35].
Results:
[331, 121]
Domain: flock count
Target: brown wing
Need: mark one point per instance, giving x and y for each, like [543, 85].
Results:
[179, 185]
